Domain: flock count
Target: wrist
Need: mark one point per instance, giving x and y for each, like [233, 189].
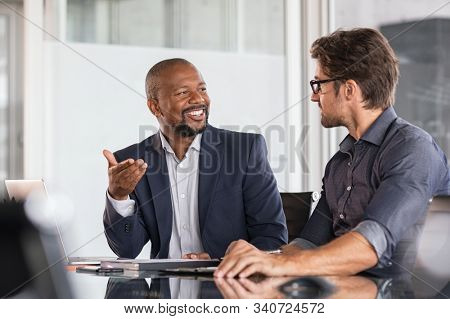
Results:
[117, 197]
[292, 261]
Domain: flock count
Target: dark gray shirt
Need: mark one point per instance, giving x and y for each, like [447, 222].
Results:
[380, 186]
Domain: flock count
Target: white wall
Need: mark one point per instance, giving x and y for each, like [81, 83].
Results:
[89, 110]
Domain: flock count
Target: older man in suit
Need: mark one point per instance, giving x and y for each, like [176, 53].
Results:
[191, 189]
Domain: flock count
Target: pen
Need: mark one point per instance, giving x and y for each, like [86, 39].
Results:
[275, 251]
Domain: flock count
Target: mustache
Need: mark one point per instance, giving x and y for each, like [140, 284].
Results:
[195, 107]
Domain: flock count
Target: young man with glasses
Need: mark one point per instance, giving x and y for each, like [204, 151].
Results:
[376, 188]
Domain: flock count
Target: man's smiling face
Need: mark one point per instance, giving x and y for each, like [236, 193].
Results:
[183, 100]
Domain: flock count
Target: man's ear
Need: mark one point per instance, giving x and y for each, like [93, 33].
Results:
[153, 107]
[350, 89]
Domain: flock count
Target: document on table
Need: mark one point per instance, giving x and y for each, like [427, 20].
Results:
[159, 264]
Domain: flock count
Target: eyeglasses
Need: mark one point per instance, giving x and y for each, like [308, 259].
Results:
[315, 84]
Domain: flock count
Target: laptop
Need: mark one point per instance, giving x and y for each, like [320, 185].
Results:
[19, 190]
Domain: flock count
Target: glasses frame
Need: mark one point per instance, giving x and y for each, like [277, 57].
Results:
[319, 82]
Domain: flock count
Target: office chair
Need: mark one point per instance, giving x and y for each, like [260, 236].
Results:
[297, 209]
[424, 248]
[433, 255]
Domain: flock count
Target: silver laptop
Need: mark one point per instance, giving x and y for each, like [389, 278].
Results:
[19, 190]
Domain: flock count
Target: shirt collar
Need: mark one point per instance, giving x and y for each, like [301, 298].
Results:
[347, 144]
[196, 143]
[375, 133]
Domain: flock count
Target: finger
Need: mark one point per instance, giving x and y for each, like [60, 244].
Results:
[226, 264]
[241, 264]
[241, 292]
[131, 173]
[250, 270]
[235, 266]
[110, 158]
[220, 283]
[141, 171]
[250, 285]
[203, 256]
[238, 252]
[131, 180]
[238, 267]
[225, 289]
[138, 165]
[186, 256]
[265, 289]
[121, 166]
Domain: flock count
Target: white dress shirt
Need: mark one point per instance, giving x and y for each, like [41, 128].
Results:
[183, 176]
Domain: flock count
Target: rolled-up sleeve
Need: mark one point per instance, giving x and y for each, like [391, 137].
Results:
[303, 243]
[375, 235]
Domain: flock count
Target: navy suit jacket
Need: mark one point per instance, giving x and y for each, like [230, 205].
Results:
[237, 197]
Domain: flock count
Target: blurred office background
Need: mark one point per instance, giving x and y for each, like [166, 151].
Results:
[72, 83]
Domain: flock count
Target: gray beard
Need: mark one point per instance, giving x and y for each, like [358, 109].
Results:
[184, 130]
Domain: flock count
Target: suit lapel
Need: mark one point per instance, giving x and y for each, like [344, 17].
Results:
[158, 179]
[210, 161]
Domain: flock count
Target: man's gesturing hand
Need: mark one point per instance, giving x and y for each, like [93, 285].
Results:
[123, 176]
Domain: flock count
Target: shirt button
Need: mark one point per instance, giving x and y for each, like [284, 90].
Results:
[341, 216]
[185, 227]
[349, 188]
[349, 163]
[183, 195]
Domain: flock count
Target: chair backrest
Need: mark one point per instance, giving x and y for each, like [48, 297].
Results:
[425, 246]
[297, 208]
[434, 246]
